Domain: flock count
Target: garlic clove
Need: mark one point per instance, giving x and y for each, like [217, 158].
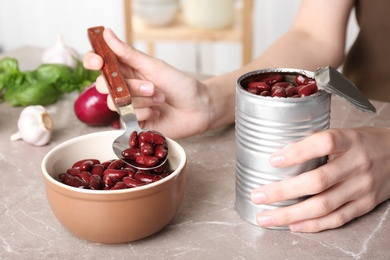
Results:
[60, 53]
[16, 136]
[35, 126]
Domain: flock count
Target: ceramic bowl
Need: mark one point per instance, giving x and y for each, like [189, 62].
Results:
[156, 12]
[116, 216]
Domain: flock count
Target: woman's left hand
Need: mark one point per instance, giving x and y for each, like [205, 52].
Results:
[355, 179]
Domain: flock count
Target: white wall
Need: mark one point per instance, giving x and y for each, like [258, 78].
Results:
[39, 21]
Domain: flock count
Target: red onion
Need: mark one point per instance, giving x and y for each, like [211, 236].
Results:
[91, 108]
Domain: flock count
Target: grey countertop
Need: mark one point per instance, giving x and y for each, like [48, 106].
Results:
[207, 225]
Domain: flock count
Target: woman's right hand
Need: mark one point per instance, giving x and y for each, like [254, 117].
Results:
[164, 98]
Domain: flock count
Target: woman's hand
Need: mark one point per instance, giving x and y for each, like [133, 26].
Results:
[164, 98]
[354, 181]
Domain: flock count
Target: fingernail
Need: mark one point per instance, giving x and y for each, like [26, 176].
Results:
[296, 227]
[277, 160]
[258, 197]
[265, 221]
[146, 88]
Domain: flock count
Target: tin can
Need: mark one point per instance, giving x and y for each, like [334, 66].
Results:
[266, 124]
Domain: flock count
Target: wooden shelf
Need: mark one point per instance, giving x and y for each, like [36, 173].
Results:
[240, 31]
[178, 30]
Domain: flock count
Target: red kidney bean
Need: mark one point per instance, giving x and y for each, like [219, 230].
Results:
[87, 165]
[160, 151]
[109, 181]
[107, 163]
[133, 140]
[85, 176]
[283, 84]
[159, 139]
[274, 88]
[258, 86]
[147, 149]
[73, 181]
[74, 171]
[302, 80]
[131, 182]
[119, 186]
[98, 170]
[160, 170]
[130, 172]
[117, 174]
[96, 183]
[78, 163]
[63, 176]
[271, 79]
[253, 90]
[307, 90]
[279, 92]
[141, 143]
[131, 153]
[147, 160]
[151, 137]
[146, 137]
[291, 91]
[116, 164]
[146, 177]
[265, 93]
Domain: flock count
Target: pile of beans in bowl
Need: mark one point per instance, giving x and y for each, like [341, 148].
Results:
[277, 85]
[116, 174]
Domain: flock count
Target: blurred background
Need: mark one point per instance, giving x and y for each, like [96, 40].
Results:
[38, 22]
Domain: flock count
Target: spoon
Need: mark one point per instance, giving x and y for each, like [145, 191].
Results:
[121, 96]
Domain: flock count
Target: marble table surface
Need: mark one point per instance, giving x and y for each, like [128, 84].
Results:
[207, 225]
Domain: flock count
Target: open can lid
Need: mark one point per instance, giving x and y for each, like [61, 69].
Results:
[332, 81]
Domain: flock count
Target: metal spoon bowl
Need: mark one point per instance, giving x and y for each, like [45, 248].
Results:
[121, 96]
[121, 143]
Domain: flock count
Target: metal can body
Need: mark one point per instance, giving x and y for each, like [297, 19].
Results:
[266, 124]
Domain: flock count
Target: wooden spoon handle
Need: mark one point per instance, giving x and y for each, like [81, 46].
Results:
[116, 84]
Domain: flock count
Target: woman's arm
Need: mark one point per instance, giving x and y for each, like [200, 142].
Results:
[316, 38]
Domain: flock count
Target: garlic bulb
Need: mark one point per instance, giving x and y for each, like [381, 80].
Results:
[34, 125]
[60, 53]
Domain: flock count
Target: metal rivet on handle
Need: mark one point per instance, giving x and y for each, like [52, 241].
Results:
[97, 30]
[114, 74]
[119, 89]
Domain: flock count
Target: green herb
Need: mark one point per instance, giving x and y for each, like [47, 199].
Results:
[42, 86]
